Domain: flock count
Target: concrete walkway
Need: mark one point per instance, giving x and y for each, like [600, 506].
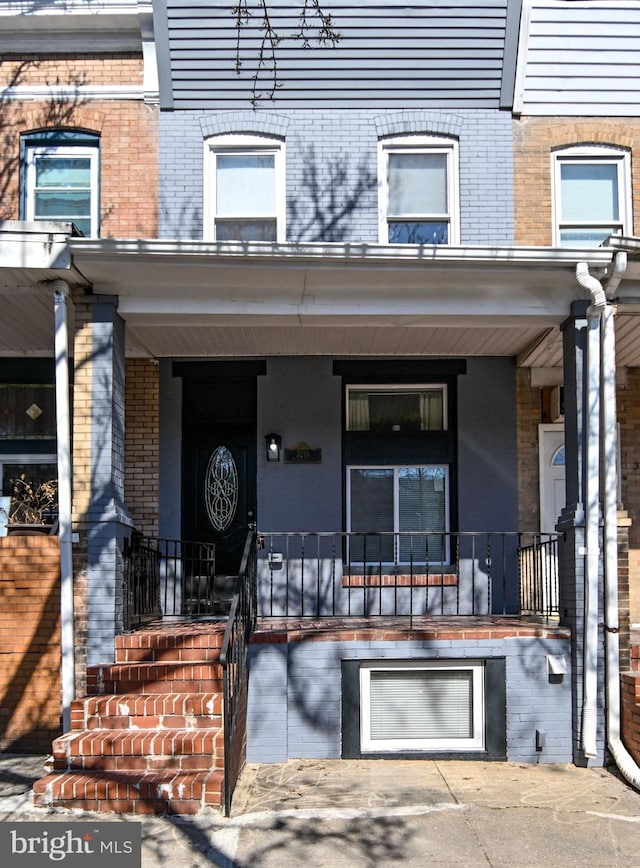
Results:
[382, 813]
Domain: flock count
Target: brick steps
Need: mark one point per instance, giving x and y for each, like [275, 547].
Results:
[149, 737]
[131, 792]
[152, 711]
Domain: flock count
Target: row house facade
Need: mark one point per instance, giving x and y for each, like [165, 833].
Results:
[346, 328]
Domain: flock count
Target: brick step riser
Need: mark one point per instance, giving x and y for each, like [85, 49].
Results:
[176, 686]
[149, 711]
[181, 794]
[125, 763]
[151, 722]
[127, 656]
[104, 743]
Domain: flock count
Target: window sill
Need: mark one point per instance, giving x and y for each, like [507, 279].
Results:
[401, 581]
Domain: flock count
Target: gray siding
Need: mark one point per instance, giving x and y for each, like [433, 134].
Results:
[389, 52]
[295, 694]
[332, 185]
[579, 59]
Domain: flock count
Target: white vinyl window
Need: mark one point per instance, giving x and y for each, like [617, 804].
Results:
[592, 195]
[416, 706]
[62, 185]
[244, 189]
[396, 408]
[418, 180]
[410, 501]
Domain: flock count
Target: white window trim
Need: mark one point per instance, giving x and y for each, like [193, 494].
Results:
[243, 144]
[475, 743]
[400, 387]
[419, 144]
[396, 499]
[595, 154]
[33, 151]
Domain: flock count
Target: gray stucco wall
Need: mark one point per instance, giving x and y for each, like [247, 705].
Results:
[294, 706]
[332, 186]
[301, 399]
[487, 446]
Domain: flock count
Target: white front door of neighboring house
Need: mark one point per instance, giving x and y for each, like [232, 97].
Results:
[552, 475]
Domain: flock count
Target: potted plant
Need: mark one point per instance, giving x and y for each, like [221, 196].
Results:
[34, 506]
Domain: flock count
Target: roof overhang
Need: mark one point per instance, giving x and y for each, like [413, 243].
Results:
[201, 299]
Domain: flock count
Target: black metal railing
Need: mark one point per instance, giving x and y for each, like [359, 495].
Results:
[165, 577]
[539, 577]
[406, 574]
[233, 659]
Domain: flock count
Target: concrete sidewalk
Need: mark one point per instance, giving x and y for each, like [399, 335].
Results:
[382, 813]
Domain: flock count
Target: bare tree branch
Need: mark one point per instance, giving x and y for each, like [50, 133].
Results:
[314, 26]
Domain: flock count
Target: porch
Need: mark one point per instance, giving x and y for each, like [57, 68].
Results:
[337, 575]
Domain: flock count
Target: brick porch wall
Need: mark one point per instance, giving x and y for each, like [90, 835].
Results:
[30, 688]
[141, 485]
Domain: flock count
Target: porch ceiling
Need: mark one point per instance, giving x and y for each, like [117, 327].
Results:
[197, 299]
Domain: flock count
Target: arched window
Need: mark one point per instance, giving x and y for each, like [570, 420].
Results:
[244, 189]
[60, 178]
[591, 196]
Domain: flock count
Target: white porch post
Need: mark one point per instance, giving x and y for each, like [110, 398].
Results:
[61, 293]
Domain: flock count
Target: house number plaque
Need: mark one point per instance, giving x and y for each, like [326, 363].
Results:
[303, 454]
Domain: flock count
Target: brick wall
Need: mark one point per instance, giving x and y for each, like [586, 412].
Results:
[127, 130]
[30, 687]
[141, 443]
[628, 393]
[630, 694]
[534, 139]
[332, 184]
[528, 419]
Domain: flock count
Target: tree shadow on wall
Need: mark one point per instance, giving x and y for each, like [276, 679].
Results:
[329, 198]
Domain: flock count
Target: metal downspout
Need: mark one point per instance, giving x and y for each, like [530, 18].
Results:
[592, 512]
[624, 761]
[63, 429]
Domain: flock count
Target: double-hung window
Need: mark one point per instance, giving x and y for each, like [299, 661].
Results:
[244, 189]
[60, 175]
[592, 195]
[418, 190]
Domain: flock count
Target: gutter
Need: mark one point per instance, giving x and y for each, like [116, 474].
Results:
[624, 761]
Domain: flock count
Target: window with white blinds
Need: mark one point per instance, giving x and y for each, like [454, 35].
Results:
[592, 195]
[417, 707]
[410, 501]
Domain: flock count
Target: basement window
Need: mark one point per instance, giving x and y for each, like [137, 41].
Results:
[409, 706]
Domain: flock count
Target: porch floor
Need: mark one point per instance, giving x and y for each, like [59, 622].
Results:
[386, 627]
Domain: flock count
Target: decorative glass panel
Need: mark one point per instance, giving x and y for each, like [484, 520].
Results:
[558, 459]
[27, 412]
[221, 489]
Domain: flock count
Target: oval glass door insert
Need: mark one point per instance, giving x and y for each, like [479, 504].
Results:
[221, 489]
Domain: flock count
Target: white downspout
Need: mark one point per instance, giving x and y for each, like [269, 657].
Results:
[592, 511]
[624, 761]
[63, 428]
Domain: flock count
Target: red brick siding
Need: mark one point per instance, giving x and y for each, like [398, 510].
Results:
[30, 688]
[141, 444]
[128, 140]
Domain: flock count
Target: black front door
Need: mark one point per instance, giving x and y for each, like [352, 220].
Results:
[219, 466]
